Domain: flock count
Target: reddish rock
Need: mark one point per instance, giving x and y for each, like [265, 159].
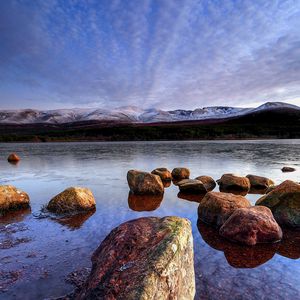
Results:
[216, 207]
[144, 202]
[163, 173]
[192, 186]
[13, 157]
[232, 181]
[144, 183]
[147, 258]
[259, 182]
[180, 173]
[207, 181]
[251, 225]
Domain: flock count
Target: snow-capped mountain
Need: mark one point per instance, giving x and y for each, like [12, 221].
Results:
[131, 114]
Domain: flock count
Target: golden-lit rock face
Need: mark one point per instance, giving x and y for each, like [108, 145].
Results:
[192, 186]
[163, 173]
[13, 157]
[207, 181]
[144, 183]
[72, 200]
[146, 258]
[284, 202]
[215, 208]
[259, 182]
[232, 181]
[12, 198]
[180, 173]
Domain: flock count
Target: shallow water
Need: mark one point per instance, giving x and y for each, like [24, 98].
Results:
[36, 254]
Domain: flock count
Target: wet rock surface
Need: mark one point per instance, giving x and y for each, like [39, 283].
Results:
[192, 186]
[215, 208]
[180, 173]
[259, 182]
[208, 182]
[284, 202]
[163, 173]
[251, 225]
[234, 182]
[146, 258]
[144, 183]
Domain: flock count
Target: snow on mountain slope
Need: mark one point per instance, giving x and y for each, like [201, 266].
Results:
[131, 114]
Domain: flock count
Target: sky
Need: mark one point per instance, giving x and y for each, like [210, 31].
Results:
[166, 54]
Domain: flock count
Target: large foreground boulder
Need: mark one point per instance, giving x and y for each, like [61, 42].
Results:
[259, 182]
[144, 183]
[284, 202]
[251, 225]
[12, 198]
[147, 258]
[233, 182]
[207, 181]
[163, 173]
[180, 173]
[72, 200]
[215, 208]
[192, 186]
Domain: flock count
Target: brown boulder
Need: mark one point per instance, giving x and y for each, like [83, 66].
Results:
[13, 157]
[144, 202]
[147, 258]
[260, 182]
[284, 202]
[207, 181]
[192, 186]
[12, 198]
[72, 200]
[215, 208]
[234, 182]
[251, 225]
[163, 173]
[144, 183]
[180, 173]
[288, 169]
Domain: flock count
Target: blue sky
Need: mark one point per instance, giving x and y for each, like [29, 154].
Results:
[149, 53]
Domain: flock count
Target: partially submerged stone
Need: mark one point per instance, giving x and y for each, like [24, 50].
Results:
[180, 173]
[284, 202]
[163, 173]
[207, 181]
[72, 200]
[143, 183]
[252, 225]
[144, 202]
[260, 182]
[215, 208]
[13, 157]
[288, 169]
[146, 258]
[12, 198]
[232, 181]
[192, 186]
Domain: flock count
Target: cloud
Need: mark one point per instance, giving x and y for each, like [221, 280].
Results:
[169, 54]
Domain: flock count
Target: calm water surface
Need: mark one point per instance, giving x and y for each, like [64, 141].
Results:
[36, 254]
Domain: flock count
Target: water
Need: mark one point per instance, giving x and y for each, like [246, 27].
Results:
[36, 254]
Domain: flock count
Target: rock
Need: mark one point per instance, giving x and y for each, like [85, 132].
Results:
[192, 186]
[163, 173]
[72, 200]
[144, 202]
[234, 182]
[146, 258]
[284, 202]
[144, 183]
[180, 173]
[13, 157]
[215, 208]
[288, 169]
[12, 198]
[260, 182]
[207, 181]
[251, 225]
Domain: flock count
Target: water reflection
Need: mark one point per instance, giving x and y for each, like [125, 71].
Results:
[258, 191]
[144, 202]
[234, 191]
[15, 216]
[238, 256]
[166, 183]
[290, 244]
[191, 197]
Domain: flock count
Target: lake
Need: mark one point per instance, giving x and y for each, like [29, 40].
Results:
[36, 254]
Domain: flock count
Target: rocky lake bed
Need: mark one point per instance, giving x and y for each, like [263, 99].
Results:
[244, 229]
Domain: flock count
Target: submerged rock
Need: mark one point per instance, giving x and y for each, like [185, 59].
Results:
[144, 202]
[192, 186]
[144, 183]
[215, 208]
[207, 181]
[251, 225]
[12, 198]
[180, 173]
[163, 173]
[147, 258]
[72, 200]
[13, 157]
[288, 169]
[284, 202]
[232, 181]
[260, 182]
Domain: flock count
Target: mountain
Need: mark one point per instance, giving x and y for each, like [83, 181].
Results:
[132, 114]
